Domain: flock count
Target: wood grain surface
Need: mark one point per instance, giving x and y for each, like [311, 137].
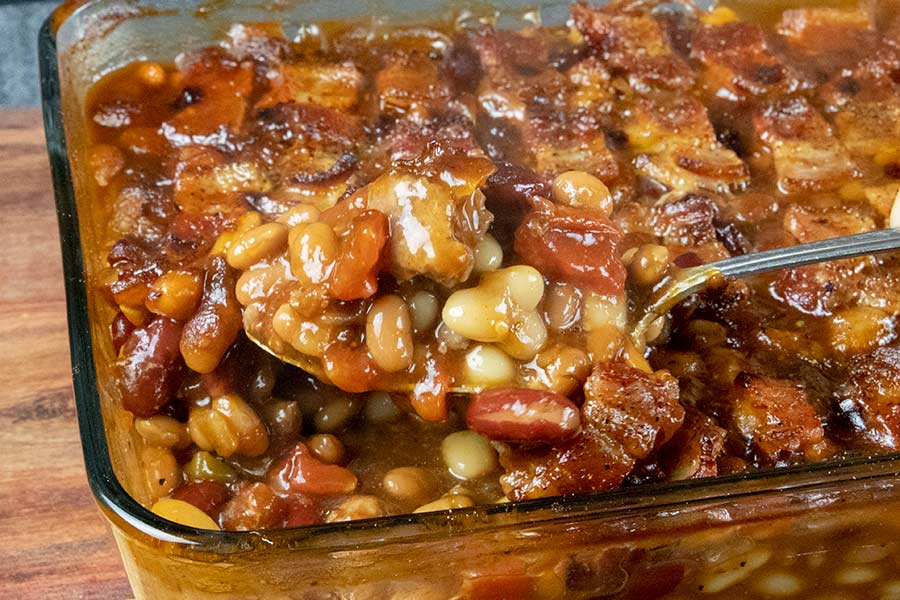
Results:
[55, 541]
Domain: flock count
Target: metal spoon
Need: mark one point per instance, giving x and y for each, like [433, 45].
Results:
[675, 289]
[695, 279]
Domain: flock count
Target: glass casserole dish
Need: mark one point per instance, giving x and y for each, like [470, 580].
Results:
[797, 531]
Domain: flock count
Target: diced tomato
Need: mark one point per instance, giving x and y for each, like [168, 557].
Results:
[572, 245]
[355, 273]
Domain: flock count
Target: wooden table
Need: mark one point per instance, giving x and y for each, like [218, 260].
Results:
[55, 542]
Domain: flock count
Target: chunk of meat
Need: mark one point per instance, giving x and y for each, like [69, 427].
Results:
[284, 123]
[773, 420]
[870, 400]
[426, 236]
[820, 289]
[635, 44]
[330, 85]
[806, 154]
[541, 105]
[810, 224]
[129, 216]
[264, 43]
[690, 223]
[694, 449]
[209, 181]
[508, 49]
[627, 414]
[409, 140]
[737, 61]
[639, 410]
[832, 31]
[569, 143]
[591, 82]
[309, 161]
[214, 96]
[678, 146]
[577, 246]
[410, 84]
[871, 129]
[687, 220]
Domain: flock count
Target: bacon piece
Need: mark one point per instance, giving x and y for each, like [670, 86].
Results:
[569, 142]
[864, 86]
[806, 154]
[285, 122]
[871, 129]
[427, 236]
[773, 420]
[870, 400]
[690, 223]
[635, 44]
[737, 61]
[577, 246]
[329, 85]
[214, 95]
[693, 450]
[264, 43]
[833, 31]
[209, 181]
[409, 140]
[541, 105]
[627, 414]
[820, 289]
[410, 84]
[679, 147]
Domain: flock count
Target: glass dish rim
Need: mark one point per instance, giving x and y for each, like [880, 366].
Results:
[113, 498]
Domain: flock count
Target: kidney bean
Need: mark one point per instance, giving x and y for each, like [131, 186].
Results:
[120, 330]
[299, 471]
[212, 330]
[523, 415]
[577, 246]
[301, 511]
[254, 506]
[150, 366]
[355, 272]
[208, 496]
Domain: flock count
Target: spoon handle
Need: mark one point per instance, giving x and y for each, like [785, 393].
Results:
[695, 279]
[850, 246]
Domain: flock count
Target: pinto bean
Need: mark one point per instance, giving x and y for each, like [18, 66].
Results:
[389, 335]
[215, 326]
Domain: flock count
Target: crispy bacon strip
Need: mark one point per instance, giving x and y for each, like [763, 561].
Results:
[627, 414]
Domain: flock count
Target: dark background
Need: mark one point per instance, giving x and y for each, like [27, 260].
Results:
[19, 24]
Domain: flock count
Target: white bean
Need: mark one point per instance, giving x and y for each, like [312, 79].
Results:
[468, 455]
[488, 366]
[488, 255]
